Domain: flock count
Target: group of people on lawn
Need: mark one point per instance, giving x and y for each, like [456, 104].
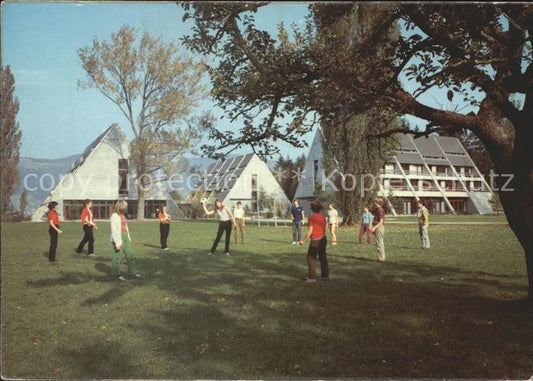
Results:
[371, 223]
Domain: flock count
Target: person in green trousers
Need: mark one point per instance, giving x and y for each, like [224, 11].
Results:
[121, 239]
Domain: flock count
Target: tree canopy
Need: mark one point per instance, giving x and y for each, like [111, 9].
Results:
[157, 88]
[474, 53]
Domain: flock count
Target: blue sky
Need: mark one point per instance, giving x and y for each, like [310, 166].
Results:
[40, 43]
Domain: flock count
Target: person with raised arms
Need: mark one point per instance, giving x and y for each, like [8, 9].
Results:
[227, 220]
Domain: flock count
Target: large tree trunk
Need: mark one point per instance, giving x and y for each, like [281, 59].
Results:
[140, 203]
[140, 155]
[141, 194]
[517, 208]
[517, 196]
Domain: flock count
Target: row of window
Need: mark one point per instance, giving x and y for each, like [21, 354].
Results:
[427, 185]
[102, 209]
[434, 205]
[438, 170]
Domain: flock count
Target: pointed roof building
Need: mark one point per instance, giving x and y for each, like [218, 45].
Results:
[241, 178]
[102, 174]
[436, 169]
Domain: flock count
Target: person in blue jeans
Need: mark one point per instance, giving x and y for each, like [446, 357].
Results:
[366, 221]
[297, 217]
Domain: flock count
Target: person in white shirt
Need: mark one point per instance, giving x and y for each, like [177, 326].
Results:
[121, 239]
[238, 213]
[226, 218]
[333, 222]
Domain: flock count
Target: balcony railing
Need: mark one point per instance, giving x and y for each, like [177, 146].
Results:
[397, 188]
[468, 174]
[389, 172]
[454, 189]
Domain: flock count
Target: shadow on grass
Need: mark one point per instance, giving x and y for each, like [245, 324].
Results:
[283, 315]
[152, 246]
[66, 279]
[93, 358]
[248, 316]
[109, 296]
[288, 241]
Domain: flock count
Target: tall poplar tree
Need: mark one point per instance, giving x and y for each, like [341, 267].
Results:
[11, 136]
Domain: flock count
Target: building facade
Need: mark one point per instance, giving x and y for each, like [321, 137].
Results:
[242, 178]
[436, 169]
[102, 174]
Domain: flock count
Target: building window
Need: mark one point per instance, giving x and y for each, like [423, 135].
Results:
[72, 209]
[123, 186]
[101, 209]
[458, 205]
[442, 170]
[254, 193]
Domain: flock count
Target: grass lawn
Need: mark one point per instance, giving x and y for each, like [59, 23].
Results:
[460, 218]
[454, 311]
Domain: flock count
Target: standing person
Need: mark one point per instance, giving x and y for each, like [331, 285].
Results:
[366, 220]
[423, 224]
[225, 224]
[121, 239]
[164, 226]
[53, 229]
[88, 225]
[297, 217]
[333, 222]
[319, 241]
[238, 212]
[378, 227]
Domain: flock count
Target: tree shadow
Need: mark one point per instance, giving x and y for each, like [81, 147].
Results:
[109, 296]
[249, 316]
[94, 358]
[65, 279]
[152, 246]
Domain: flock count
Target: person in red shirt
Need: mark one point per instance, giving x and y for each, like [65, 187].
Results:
[53, 229]
[317, 233]
[164, 226]
[88, 226]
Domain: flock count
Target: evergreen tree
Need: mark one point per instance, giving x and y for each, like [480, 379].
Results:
[286, 171]
[23, 203]
[10, 139]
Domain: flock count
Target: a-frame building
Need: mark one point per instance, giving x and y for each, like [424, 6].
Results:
[242, 178]
[103, 174]
[436, 169]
